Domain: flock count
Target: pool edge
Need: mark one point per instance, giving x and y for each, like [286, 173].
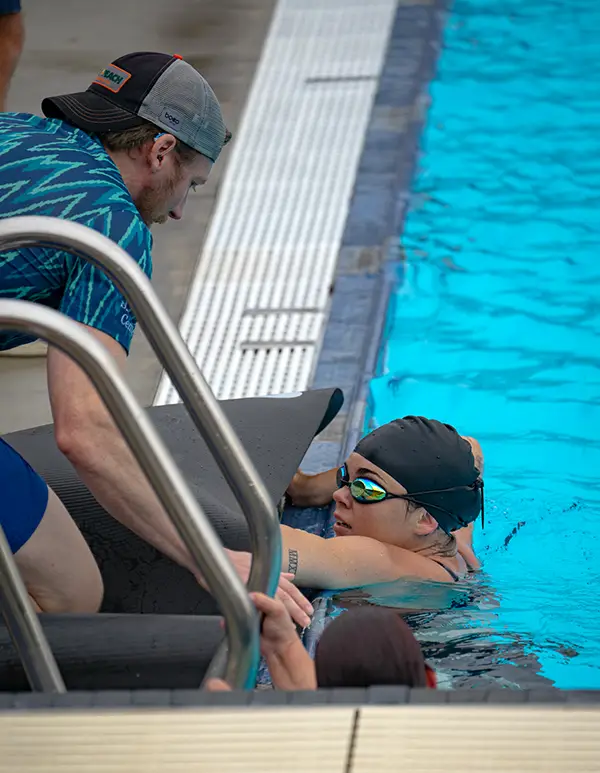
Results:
[370, 261]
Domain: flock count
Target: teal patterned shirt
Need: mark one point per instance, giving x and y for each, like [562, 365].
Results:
[48, 167]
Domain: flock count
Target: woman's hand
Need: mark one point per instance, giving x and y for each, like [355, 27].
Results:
[289, 664]
[298, 606]
[217, 685]
[464, 545]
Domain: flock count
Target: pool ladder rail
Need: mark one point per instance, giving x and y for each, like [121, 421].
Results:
[238, 661]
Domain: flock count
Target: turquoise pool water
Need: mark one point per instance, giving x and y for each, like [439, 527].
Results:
[495, 324]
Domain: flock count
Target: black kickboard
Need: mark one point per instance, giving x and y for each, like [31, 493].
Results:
[276, 432]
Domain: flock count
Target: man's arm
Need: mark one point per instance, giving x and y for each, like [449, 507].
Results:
[88, 437]
[348, 562]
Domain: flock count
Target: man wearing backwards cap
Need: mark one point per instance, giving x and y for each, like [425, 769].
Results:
[118, 158]
[400, 498]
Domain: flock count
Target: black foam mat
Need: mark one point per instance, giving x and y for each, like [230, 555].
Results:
[276, 432]
[121, 652]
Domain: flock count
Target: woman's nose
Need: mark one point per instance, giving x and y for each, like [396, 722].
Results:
[342, 496]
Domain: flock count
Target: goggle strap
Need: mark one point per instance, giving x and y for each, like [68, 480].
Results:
[478, 484]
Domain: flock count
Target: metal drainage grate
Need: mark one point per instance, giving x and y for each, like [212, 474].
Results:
[258, 303]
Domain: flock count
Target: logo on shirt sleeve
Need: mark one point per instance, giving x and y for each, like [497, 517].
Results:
[126, 318]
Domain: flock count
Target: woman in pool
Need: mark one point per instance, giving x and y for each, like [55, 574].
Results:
[401, 497]
[406, 500]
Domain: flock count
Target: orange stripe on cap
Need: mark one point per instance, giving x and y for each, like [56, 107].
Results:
[177, 56]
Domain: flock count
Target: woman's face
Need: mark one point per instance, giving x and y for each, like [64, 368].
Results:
[389, 521]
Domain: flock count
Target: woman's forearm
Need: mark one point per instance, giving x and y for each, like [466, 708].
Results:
[312, 490]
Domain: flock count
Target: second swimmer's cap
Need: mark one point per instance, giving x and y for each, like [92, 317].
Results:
[433, 463]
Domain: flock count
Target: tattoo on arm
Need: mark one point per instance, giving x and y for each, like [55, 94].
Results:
[293, 562]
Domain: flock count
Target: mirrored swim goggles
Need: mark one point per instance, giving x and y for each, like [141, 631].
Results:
[369, 492]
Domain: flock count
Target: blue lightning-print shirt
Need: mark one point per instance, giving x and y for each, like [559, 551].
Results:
[48, 167]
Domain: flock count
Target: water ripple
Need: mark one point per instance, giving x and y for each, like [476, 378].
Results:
[497, 325]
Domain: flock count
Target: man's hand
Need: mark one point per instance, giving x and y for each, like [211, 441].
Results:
[299, 607]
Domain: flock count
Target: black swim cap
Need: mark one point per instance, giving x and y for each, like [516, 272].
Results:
[424, 455]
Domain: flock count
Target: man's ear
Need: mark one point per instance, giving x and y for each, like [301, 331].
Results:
[161, 147]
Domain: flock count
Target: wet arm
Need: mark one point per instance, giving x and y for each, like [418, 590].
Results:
[346, 562]
[477, 453]
[464, 536]
[312, 490]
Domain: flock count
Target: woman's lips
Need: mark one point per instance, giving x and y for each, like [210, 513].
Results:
[340, 527]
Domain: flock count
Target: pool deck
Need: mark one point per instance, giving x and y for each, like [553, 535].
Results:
[64, 49]
[387, 68]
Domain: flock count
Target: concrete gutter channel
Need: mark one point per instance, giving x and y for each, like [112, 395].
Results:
[370, 260]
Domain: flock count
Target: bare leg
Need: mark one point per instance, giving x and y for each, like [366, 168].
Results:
[57, 566]
[12, 36]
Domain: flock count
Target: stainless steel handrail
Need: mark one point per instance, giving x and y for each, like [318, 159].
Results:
[177, 360]
[175, 357]
[160, 469]
[24, 626]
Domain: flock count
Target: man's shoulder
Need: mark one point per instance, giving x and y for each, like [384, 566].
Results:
[126, 228]
[57, 170]
[26, 130]
[50, 153]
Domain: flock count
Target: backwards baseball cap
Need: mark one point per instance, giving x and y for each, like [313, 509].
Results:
[433, 463]
[147, 86]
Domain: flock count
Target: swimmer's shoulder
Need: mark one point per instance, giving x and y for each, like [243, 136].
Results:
[414, 566]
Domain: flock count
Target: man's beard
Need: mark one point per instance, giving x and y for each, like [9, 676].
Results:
[152, 200]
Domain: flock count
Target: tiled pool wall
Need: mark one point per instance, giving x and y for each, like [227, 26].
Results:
[370, 262]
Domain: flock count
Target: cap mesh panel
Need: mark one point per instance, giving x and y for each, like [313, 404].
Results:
[182, 103]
